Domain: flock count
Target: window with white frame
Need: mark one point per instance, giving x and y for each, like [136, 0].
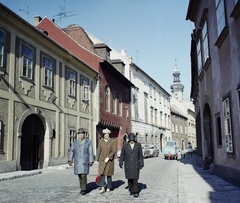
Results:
[2, 38]
[27, 62]
[227, 125]
[85, 89]
[72, 83]
[199, 57]
[107, 98]
[119, 104]
[220, 11]
[48, 72]
[176, 130]
[205, 44]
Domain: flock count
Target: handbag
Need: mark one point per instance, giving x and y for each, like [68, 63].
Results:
[98, 177]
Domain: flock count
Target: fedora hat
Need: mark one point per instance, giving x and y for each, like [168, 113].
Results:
[81, 130]
[106, 131]
[132, 137]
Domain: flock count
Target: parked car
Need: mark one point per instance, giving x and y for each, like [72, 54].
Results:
[145, 150]
[169, 151]
[154, 151]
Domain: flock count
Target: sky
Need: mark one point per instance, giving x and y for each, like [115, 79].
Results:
[155, 33]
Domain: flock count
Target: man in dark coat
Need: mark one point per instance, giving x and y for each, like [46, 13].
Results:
[132, 157]
[82, 153]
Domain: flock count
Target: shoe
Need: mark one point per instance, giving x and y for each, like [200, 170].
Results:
[108, 190]
[102, 190]
[131, 193]
[135, 195]
[83, 192]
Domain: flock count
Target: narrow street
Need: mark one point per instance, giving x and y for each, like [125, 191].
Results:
[160, 180]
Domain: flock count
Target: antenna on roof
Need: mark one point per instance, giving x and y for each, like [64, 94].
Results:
[27, 11]
[63, 14]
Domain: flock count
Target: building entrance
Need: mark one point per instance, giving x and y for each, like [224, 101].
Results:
[32, 143]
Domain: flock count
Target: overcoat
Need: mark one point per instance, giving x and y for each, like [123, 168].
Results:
[133, 160]
[106, 149]
[81, 154]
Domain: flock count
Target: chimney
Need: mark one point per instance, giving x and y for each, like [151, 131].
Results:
[37, 19]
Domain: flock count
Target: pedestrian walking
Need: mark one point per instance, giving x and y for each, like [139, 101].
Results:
[132, 156]
[81, 154]
[105, 157]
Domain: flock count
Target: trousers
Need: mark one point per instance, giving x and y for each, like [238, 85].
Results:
[101, 182]
[133, 185]
[82, 181]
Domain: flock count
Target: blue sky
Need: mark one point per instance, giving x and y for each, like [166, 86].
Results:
[154, 32]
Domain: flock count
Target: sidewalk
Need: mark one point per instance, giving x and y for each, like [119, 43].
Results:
[198, 185]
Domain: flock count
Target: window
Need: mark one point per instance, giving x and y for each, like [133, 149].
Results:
[72, 80]
[221, 23]
[176, 128]
[107, 98]
[72, 137]
[152, 121]
[161, 118]
[120, 105]
[127, 112]
[85, 90]
[135, 101]
[227, 125]
[1, 137]
[156, 121]
[199, 57]
[238, 92]
[48, 72]
[114, 103]
[173, 127]
[146, 107]
[27, 62]
[205, 47]
[150, 89]
[1, 48]
[219, 131]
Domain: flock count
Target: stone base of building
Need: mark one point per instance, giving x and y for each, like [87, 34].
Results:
[228, 174]
[54, 161]
[8, 166]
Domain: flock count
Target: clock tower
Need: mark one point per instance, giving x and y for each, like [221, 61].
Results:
[177, 87]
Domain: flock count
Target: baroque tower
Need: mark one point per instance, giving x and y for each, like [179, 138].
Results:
[177, 87]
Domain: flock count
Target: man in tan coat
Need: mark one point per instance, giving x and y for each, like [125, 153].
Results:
[105, 157]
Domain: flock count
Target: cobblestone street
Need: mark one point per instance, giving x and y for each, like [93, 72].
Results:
[164, 181]
[158, 181]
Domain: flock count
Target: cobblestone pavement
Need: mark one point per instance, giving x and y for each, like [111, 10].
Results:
[157, 183]
[163, 181]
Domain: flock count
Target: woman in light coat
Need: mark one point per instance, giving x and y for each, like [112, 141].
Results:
[105, 157]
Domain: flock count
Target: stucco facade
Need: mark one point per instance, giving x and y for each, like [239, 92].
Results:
[215, 51]
[41, 96]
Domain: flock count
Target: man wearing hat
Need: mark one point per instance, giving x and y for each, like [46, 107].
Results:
[81, 153]
[132, 156]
